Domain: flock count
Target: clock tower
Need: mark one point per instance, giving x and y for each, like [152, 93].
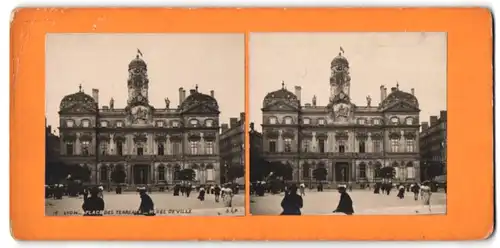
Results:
[138, 108]
[340, 82]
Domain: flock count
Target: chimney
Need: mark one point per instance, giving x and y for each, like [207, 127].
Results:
[425, 125]
[242, 117]
[298, 91]
[385, 92]
[181, 95]
[233, 122]
[252, 126]
[192, 91]
[95, 95]
[393, 89]
[412, 91]
[442, 115]
[434, 120]
[224, 127]
[212, 93]
[382, 93]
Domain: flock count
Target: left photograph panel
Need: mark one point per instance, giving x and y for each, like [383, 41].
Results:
[145, 124]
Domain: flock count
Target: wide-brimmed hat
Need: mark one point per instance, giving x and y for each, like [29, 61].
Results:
[341, 186]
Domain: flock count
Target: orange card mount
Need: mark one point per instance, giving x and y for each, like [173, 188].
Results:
[34, 73]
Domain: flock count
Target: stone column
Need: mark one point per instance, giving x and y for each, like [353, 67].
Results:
[369, 144]
[280, 143]
[168, 146]
[77, 148]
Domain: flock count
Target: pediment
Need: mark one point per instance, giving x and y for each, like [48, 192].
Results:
[202, 108]
[401, 106]
[280, 106]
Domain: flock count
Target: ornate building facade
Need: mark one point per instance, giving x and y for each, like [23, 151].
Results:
[232, 148]
[351, 142]
[150, 145]
[433, 145]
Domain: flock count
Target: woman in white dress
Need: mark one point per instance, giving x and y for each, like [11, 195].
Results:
[426, 193]
[228, 197]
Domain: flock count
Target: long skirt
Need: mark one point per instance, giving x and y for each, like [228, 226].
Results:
[426, 198]
[228, 199]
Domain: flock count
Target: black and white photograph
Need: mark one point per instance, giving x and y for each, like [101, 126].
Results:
[348, 123]
[145, 124]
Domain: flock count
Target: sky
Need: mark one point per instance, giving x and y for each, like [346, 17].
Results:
[414, 60]
[213, 61]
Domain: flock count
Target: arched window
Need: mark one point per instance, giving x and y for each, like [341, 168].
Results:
[288, 120]
[193, 122]
[70, 123]
[410, 170]
[177, 172]
[306, 121]
[409, 121]
[209, 123]
[210, 172]
[85, 123]
[161, 173]
[394, 120]
[378, 167]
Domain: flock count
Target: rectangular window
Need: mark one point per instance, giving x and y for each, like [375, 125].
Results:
[85, 148]
[104, 148]
[321, 121]
[119, 148]
[140, 151]
[288, 145]
[321, 144]
[305, 145]
[176, 147]
[119, 124]
[194, 147]
[272, 146]
[69, 149]
[376, 121]
[376, 146]
[341, 148]
[410, 145]
[362, 147]
[161, 149]
[362, 171]
[394, 145]
[410, 172]
[209, 148]
[159, 123]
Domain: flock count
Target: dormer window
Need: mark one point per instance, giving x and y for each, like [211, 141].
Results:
[376, 121]
[321, 121]
[175, 124]
[288, 120]
[159, 123]
[70, 123]
[362, 122]
[193, 122]
[394, 120]
[272, 120]
[409, 121]
[85, 123]
[209, 123]
[119, 124]
[104, 123]
[307, 121]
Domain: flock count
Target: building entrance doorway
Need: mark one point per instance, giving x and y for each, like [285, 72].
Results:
[141, 173]
[342, 172]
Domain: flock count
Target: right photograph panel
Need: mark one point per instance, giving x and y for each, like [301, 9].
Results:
[348, 123]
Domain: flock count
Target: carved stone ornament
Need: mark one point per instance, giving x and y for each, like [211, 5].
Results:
[307, 135]
[288, 133]
[410, 135]
[104, 137]
[395, 135]
[119, 137]
[342, 135]
[209, 136]
[361, 135]
[194, 136]
[273, 134]
[176, 137]
[321, 135]
[85, 136]
[69, 137]
[140, 137]
[377, 135]
[160, 137]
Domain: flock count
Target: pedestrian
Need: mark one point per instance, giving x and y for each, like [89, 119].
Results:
[388, 188]
[415, 189]
[401, 193]
[201, 194]
[376, 188]
[302, 189]
[93, 205]
[345, 202]
[292, 202]
[426, 193]
[227, 196]
[147, 207]
[212, 189]
[101, 191]
[217, 191]
[350, 187]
